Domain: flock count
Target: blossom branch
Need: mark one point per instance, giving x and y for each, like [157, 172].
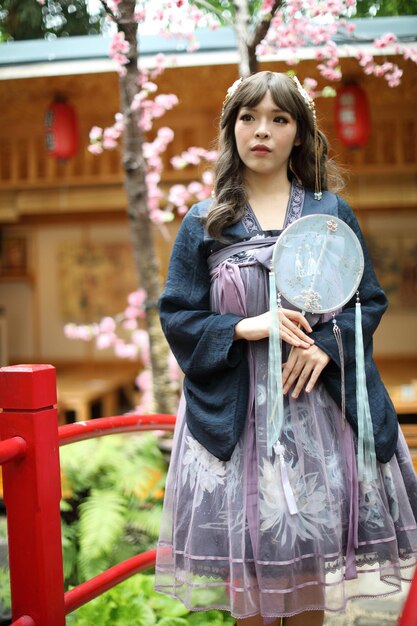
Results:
[108, 10]
[269, 8]
[123, 334]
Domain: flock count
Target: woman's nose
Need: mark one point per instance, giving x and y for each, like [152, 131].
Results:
[262, 131]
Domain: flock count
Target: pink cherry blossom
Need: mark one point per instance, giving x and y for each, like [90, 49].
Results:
[149, 87]
[137, 298]
[113, 5]
[131, 312]
[107, 325]
[109, 142]
[96, 133]
[160, 217]
[119, 48]
[178, 163]
[386, 40]
[129, 324]
[166, 134]
[85, 332]
[144, 379]
[208, 178]
[125, 350]
[266, 7]
[121, 70]
[95, 148]
[140, 15]
[141, 338]
[70, 331]
[105, 341]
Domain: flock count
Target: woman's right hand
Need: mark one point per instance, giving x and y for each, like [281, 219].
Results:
[291, 324]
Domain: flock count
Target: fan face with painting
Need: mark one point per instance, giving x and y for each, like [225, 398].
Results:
[318, 263]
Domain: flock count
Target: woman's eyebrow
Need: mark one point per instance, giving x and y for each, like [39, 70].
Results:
[248, 108]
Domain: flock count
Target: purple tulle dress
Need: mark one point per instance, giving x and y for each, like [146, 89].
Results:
[228, 539]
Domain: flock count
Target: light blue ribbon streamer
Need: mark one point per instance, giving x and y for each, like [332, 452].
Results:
[366, 445]
[275, 402]
[275, 405]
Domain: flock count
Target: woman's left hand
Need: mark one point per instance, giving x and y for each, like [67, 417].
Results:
[303, 367]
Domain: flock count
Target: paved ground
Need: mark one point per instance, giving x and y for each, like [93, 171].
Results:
[373, 612]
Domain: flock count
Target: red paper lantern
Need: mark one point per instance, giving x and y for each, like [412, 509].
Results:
[353, 119]
[61, 130]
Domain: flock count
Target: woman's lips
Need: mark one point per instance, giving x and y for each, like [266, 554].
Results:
[261, 149]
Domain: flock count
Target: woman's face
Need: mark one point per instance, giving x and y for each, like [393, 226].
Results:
[265, 136]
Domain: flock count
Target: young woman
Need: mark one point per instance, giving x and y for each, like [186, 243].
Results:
[228, 539]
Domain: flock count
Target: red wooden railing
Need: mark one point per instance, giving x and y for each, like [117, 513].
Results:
[29, 455]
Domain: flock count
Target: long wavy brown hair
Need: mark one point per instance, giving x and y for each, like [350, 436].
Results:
[229, 203]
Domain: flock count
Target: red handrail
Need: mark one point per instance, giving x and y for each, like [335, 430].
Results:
[25, 620]
[99, 584]
[70, 433]
[12, 449]
[409, 613]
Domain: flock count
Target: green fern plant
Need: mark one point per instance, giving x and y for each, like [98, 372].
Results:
[113, 489]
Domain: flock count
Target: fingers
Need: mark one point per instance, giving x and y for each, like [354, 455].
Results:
[295, 336]
[291, 331]
[291, 370]
[293, 339]
[298, 318]
[303, 369]
[305, 376]
[313, 378]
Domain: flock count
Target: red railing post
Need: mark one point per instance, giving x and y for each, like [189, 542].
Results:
[408, 615]
[32, 492]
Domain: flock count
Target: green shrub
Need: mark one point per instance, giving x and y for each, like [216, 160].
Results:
[112, 501]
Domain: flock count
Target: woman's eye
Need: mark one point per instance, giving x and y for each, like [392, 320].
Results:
[246, 117]
[281, 120]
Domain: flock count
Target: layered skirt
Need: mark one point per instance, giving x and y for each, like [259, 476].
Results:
[229, 539]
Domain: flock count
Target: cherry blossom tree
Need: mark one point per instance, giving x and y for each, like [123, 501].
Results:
[139, 201]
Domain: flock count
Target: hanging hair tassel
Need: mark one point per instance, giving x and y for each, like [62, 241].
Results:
[309, 102]
[366, 444]
[275, 406]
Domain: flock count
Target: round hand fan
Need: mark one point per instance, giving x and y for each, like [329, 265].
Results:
[318, 263]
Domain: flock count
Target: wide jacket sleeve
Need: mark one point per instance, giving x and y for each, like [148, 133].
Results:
[216, 382]
[201, 340]
[373, 305]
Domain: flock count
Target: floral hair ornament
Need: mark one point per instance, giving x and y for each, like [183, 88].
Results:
[309, 102]
[232, 89]
[317, 265]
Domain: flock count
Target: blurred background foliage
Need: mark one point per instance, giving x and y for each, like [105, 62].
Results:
[27, 19]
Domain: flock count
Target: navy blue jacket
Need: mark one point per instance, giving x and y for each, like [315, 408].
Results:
[215, 366]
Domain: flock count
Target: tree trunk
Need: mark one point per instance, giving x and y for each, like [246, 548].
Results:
[247, 42]
[139, 221]
[241, 24]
